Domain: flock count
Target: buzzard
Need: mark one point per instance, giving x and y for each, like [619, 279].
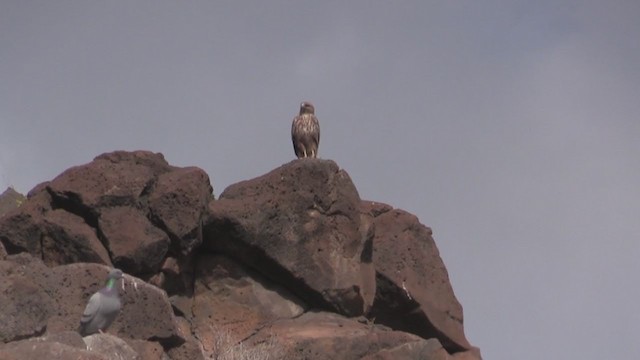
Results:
[305, 132]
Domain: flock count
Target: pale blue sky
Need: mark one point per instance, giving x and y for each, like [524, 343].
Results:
[509, 127]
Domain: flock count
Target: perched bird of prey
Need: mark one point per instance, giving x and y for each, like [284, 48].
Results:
[103, 306]
[305, 132]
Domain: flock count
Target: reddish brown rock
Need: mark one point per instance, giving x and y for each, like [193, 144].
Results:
[229, 297]
[110, 345]
[179, 201]
[473, 354]
[136, 245]
[423, 349]
[320, 336]
[148, 350]
[299, 225]
[190, 350]
[24, 308]
[176, 276]
[296, 238]
[125, 208]
[146, 312]
[413, 289]
[113, 179]
[71, 338]
[22, 229]
[56, 236]
[66, 238]
[38, 350]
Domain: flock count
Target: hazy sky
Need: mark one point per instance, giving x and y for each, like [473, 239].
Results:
[509, 127]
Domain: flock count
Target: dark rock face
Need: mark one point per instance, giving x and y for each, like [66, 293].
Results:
[66, 238]
[414, 293]
[178, 202]
[299, 225]
[127, 209]
[22, 229]
[291, 264]
[136, 245]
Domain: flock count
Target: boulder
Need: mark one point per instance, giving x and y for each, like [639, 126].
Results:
[127, 209]
[136, 245]
[321, 335]
[110, 346]
[189, 350]
[148, 350]
[54, 299]
[50, 350]
[146, 312]
[25, 308]
[22, 229]
[413, 289]
[66, 238]
[300, 226]
[179, 202]
[422, 349]
[235, 300]
[114, 179]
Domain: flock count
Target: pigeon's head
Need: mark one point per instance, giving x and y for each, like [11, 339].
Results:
[306, 108]
[115, 274]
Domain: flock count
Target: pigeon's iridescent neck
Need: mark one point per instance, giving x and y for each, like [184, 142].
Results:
[111, 284]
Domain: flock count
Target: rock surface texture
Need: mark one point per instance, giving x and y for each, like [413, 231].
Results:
[288, 265]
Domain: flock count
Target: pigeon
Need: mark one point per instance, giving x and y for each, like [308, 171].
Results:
[103, 306]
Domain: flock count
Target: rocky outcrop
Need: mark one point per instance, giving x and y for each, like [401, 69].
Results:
[414, 293]
[292, 264]
[299, 225]
[126, 209]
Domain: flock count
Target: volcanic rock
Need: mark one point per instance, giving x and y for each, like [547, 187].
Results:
[127, 209]
[111, 346]
[179, 201]
[300, 226]
[413, 289]
[50, 350]
[321, 335]
[136, 245]
[25, 308]
[290, 265]
[235, 300]
[66, 238]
